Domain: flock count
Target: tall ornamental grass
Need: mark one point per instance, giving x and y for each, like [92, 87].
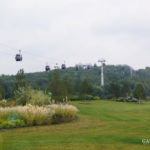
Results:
[63, 113]
[33, 97]
[36, 115]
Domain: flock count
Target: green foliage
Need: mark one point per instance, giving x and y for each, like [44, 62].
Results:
[2, 90]
[30, 96]
[6, 124]
[120, 99]
[34, 115]
[84, 97]
[63, 115]
[75, 98]
[66, 87]
[61, 88]
[14, 116]
[120, 74]
[3, 103]
[21, 96]
[86, 88]
[125, 90]
[139, 92]
[56, 87]
[19, 123]
[96, 98]
[87, 97]
[114, 90]
[20, 81]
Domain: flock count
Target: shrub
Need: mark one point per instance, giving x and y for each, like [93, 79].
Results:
[34, 115]
[5, 124]
[63, 113]
[96, 98]
[3, 103]
[30, 96]
[84, 97]
[87, 97]
[120, 99]
[14, 116]
[75, 98]
[18, 123]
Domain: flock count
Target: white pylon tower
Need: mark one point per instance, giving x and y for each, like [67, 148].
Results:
[102, 61]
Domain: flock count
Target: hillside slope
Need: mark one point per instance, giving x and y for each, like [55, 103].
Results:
[120, 74]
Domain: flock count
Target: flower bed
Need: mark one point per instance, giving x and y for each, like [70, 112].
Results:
[20, 116]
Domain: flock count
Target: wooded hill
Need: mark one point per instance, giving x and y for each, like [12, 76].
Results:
[120, 74]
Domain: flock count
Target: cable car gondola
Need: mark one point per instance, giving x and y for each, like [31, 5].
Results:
[19, 56]
[47, 68]
[63, 66]
[88, 67]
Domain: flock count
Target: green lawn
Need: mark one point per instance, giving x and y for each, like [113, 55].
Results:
[101, 125]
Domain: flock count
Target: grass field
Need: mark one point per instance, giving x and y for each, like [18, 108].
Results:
[101, 125]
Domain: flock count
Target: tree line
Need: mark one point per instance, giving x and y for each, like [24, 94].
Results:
[119, 82]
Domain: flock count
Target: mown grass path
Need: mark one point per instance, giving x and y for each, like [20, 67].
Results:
[101, 125]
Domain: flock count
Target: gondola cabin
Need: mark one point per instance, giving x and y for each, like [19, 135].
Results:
[18, 56]
[88, 67]
[63, 66]
[47, 68]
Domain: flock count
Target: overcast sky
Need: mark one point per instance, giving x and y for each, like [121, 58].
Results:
[75, 31]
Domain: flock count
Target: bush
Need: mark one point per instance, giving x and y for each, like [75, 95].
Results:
[18, 123]
[3, 103]
[34, 115]
[75, 98]
[6, 124]
[30, 96]
[89, 97]
[63, 113]
[120, 99]
[96, 98]
[84, 97]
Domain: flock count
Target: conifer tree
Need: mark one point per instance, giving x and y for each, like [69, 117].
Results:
[86, 88]
[20, 80]
[2, 90]
[125, 90]
[114, 90]
[139, 92]
[55, 86]
[66, 87]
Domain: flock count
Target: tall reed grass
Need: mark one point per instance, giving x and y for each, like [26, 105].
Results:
[38, 115]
